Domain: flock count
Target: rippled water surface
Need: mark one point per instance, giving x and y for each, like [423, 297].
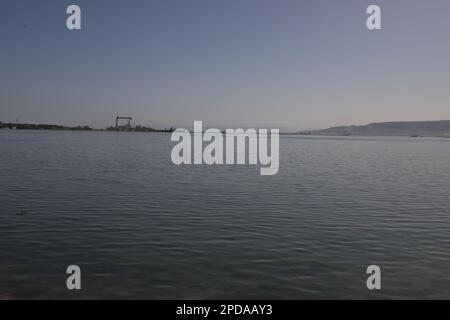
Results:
[141, 227]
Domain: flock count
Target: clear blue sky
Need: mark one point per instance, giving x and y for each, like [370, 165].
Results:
[255, 63]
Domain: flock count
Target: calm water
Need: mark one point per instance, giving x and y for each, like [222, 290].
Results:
[140, 227]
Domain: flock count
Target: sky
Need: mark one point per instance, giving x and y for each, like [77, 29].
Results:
[288, 64]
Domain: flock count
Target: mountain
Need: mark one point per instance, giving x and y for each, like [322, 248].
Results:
[407, 128]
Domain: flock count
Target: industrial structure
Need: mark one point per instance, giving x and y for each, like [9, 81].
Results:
[128, 125]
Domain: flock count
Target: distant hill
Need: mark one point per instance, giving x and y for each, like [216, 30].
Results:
[409, 128]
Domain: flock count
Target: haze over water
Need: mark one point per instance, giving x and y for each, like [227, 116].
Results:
[141, 227]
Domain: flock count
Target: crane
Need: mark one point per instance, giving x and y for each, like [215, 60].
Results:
[123, 118]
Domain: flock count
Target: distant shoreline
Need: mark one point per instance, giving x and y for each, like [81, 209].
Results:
[54, 127]
[414, 129]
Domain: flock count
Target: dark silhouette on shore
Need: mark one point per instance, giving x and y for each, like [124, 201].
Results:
[28, 126]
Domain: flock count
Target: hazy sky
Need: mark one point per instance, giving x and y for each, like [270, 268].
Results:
[288, 64]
